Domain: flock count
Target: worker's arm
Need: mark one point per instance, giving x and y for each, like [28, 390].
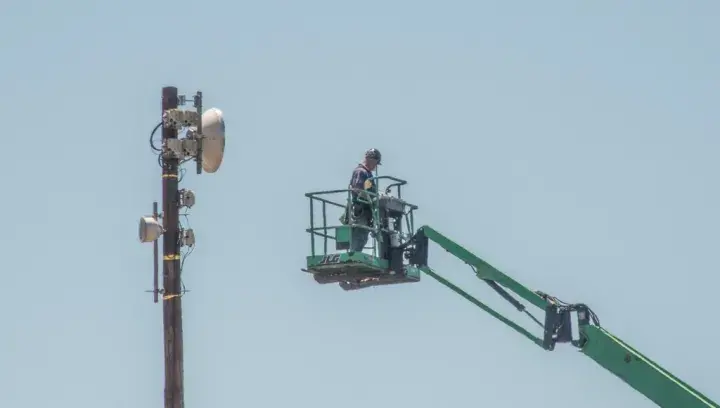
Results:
[362, 182]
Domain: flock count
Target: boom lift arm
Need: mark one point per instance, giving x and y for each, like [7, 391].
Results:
[606, 349]
[399, 256]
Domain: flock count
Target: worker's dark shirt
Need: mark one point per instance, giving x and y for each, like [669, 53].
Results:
[362, 180]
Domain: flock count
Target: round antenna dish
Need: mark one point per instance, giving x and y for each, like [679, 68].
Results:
[213, 144]
[149, 229]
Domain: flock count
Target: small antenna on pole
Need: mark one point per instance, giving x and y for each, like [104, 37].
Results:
[204, 142]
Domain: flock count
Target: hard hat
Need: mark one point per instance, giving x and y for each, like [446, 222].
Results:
[374, 154]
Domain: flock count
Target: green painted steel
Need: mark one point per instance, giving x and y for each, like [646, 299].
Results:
[392, 226]
[483, 270]
[413, 272]
[318, 262]
[607, 350]
[483, 306]
[640, 372]
[359, 270]
[330, 232]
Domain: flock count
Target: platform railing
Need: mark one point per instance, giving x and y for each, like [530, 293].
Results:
[324, 230]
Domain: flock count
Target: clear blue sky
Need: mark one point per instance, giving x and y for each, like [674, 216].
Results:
[574, 146]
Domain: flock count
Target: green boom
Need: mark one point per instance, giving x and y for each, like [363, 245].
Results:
[610, 352]
[403, 260]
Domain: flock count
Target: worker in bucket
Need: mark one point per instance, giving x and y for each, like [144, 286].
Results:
[360, 212]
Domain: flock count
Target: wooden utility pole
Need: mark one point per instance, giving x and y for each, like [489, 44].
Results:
[172, 286]
[203, 139]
